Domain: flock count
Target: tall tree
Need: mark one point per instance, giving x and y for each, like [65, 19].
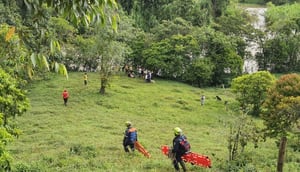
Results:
[281, 50]
[168, 28]
[105, 50]
[170, 57]
[221, 50]
[281, 111]
[199, 72]
[110, 54]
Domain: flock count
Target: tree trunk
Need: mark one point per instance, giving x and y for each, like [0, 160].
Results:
[102, 90]
[236, 144]
[281, 154]
[103, 85]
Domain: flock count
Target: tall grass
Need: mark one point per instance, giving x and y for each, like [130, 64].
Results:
[87, 134]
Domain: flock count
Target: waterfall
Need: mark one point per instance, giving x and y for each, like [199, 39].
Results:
[250, 65]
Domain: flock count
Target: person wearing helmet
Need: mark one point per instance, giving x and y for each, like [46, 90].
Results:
[130, 136]
[178, 149]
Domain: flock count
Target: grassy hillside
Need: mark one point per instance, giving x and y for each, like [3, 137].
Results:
[87, 134]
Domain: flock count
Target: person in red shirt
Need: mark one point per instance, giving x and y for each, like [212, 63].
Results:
[65, 95]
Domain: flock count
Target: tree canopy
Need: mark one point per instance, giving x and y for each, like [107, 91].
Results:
[251, 90]
[281, 112]
[281, 50]
[281, 108]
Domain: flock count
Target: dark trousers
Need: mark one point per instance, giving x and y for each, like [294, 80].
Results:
[179, 160]
[127, 144]
[65, 101]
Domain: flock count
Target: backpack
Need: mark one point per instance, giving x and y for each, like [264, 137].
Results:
[185, 144]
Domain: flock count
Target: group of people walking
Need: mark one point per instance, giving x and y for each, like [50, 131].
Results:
[180, 145]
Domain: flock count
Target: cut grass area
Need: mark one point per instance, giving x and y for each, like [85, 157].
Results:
[87, 134]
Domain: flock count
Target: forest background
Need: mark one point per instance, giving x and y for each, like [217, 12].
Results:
[202, 43]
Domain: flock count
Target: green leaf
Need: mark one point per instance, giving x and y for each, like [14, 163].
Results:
[45, 62]
[56, 67]
[33, 59]
[115, 19]
[52, 50]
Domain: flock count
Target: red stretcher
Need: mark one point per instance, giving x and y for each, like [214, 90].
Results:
[141, 149]
[191, 157]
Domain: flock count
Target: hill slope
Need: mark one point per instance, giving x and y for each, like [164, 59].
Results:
[87, 134]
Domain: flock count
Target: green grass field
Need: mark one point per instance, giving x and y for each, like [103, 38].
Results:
[87, 134]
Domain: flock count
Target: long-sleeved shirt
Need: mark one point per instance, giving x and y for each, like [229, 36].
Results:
[130, 134]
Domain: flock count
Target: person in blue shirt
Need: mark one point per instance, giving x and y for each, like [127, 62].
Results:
[180, 147]
[130, 137]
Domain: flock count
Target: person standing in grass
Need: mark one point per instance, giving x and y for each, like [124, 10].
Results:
[180, 147]
[65, 96]
[130, 136]
[85, 78]
[202, 100]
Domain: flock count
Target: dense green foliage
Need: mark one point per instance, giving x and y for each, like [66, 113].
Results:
[78, 12]
[281, 109]
[12, 52]
[171, 32]
[40, 45]
[13, 103]
[5, 157]
[251, 90]
[281, 50]
[219, 32]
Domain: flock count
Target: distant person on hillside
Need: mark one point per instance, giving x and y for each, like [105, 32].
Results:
[85, 78]
[126, 68]
[130, 69]
[65, 96]
[180, 147]
[131, 75]
[148, 76]
[130, 136]
[202, 100]
[140, 72]
[143, 73]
